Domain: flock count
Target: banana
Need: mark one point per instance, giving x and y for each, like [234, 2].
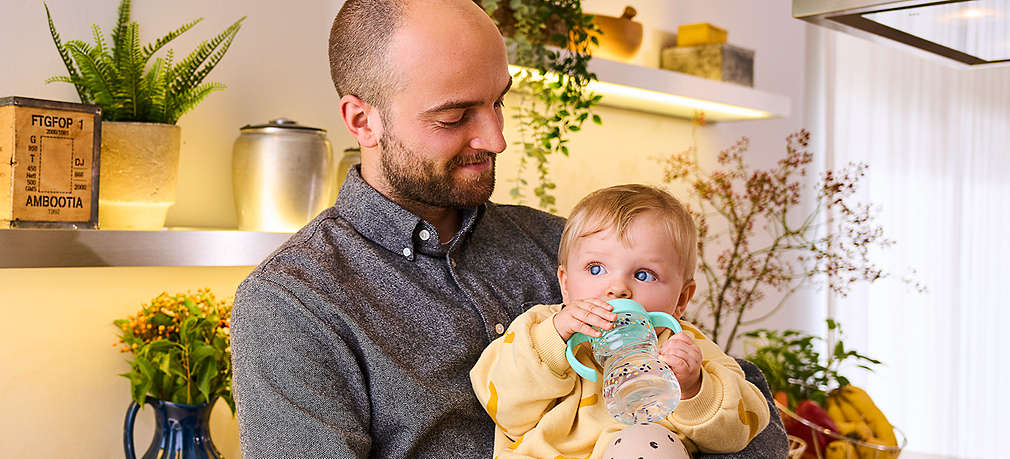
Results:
[882, 428]
[855, 429]
[841, 449]
[834, 411]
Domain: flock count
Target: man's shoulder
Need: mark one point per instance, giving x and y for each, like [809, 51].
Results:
[528, 217]
[314, 246]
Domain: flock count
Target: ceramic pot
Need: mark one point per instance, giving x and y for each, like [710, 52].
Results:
[181, 431]
[138, 174]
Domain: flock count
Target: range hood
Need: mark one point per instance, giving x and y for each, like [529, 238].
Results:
[972, 32]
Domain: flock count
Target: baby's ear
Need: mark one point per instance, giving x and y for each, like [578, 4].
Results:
[686, 293]
[563, 282]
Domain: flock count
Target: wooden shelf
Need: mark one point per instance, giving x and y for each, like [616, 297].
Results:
[54, 248]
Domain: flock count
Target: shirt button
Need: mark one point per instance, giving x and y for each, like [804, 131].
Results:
[406, 251]
[452, 262]
[499, 328]
[424, 235]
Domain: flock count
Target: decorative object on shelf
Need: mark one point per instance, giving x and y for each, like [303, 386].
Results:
[181, 431]
[819, 405]
[720, 62]
[181, 366]
[549, 40]
[48, 163]
[351, 158]
[136, 98]
[754, 235]
[700, 34]
[283, 174]
[702, 51]
[620, 37]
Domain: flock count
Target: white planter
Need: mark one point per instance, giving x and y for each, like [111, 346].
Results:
[138, 173]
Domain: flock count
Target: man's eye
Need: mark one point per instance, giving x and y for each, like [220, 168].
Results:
[500, 103]
[455, 123]
[596, 270]
[645, 276]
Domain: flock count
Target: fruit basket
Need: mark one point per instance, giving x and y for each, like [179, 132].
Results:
[851, 448]
[796, 447]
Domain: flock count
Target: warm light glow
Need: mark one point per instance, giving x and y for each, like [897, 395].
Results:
[973, 13]
[665, 103]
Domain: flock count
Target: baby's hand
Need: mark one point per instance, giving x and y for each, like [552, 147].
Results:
[581, 316]
[684, 358]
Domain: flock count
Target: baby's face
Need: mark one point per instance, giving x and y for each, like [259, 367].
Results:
[647, 270]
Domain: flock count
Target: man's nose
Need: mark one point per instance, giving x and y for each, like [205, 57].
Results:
[489, 136]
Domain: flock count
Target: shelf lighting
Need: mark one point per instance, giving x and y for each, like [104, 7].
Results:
[681, 95]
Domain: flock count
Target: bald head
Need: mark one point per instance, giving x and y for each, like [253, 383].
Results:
[367, 33]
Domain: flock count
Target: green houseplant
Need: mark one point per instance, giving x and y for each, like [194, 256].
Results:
[181, 365]
[141, 101]
[550, 41]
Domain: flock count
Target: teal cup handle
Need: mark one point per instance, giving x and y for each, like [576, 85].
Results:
[582, 370]
[658, 319]
[662, 319]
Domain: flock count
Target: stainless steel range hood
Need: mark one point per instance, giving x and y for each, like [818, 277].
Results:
[972, 32]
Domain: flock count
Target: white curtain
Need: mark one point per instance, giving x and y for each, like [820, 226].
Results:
[937, 141]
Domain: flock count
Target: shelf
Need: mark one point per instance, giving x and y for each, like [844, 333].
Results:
[680, 95]
[54, 248]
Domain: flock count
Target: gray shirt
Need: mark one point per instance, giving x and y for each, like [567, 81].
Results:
[356, 337]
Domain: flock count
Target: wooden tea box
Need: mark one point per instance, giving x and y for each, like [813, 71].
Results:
[49, 154]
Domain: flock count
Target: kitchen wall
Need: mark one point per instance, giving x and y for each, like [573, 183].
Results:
[57, 339]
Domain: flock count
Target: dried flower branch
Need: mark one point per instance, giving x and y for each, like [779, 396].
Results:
[765, 240]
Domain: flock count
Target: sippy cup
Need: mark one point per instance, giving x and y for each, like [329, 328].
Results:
[638, 386]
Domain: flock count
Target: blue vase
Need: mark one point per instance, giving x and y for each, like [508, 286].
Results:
[182, 431]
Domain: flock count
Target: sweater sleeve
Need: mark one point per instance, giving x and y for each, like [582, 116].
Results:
[521, 375]
[728, 411]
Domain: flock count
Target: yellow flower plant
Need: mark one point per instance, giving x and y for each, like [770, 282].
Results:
[181, 349]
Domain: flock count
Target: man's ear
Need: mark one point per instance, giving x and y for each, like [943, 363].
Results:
[686, 293]
[362, 120]
[563, 282]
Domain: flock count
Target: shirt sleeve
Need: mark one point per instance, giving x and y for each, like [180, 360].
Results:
[521, 375]
[728, 411]
[298, 388]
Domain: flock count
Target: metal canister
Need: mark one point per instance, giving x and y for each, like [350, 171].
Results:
[283, 175]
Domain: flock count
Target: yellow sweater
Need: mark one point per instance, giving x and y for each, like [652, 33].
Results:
[544, 410]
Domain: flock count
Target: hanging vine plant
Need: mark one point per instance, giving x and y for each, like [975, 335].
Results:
[550, 41]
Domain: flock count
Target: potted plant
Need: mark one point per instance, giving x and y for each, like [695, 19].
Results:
[141, 101]
[181, 365]
[755, 238]
[549, 40]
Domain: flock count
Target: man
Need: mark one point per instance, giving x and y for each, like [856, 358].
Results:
[356, 337]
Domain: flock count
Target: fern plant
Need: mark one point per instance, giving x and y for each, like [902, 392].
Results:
[119, 79]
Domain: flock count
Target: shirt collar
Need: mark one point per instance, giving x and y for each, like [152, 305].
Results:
[396, 229]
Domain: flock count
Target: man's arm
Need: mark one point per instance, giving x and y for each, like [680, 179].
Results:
[299, 389]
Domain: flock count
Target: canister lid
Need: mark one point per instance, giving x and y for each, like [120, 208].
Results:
[282, 123]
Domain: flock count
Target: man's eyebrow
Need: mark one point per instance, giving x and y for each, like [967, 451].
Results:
[462, 104]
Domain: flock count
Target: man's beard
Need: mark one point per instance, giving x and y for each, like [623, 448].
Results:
[412, 177]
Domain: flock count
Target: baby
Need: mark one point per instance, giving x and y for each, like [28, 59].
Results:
[628, 241]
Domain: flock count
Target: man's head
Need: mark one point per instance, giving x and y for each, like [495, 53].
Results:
[629, 241]
[421, 85]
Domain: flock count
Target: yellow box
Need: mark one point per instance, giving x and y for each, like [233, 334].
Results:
[700, 34]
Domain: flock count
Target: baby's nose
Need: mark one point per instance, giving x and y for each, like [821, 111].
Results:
[618, 291]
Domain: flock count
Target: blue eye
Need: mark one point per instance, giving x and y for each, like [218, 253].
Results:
[596, 270]
[645, 276]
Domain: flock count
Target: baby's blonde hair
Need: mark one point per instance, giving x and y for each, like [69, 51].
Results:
[617, 206]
